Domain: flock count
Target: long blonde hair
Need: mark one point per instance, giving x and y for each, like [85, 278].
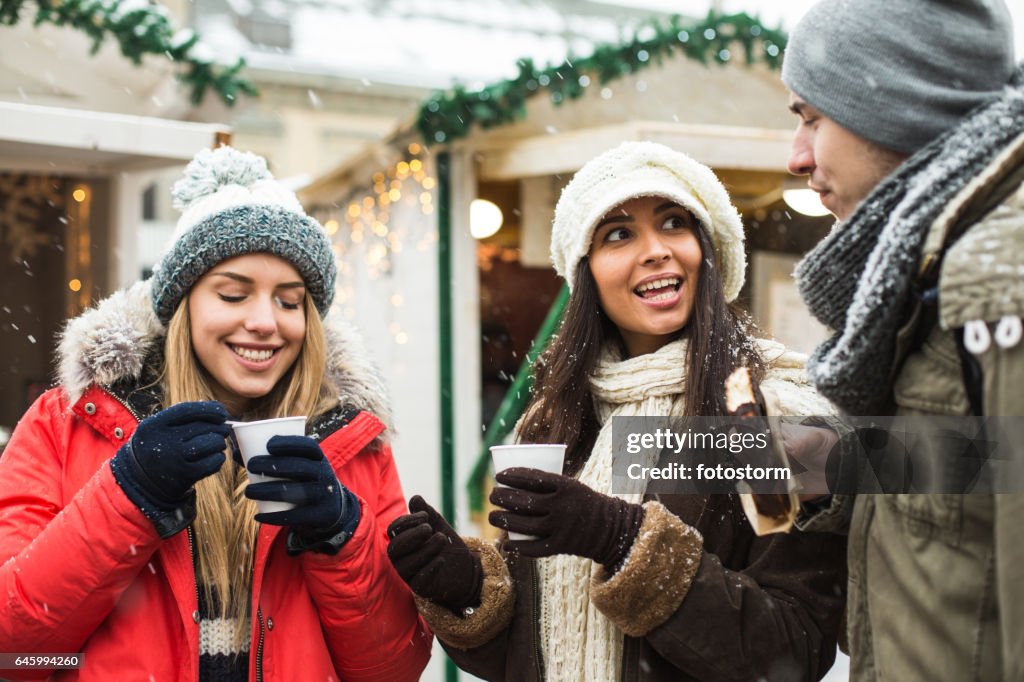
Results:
[225, 531]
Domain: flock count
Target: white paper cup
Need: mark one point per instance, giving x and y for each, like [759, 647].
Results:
[252, 440]
[544, 456]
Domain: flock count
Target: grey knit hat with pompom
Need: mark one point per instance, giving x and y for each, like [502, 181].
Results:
[232, 206]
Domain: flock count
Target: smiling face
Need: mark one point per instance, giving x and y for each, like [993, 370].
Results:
[646, 259]
[840, 166]
[247, 323]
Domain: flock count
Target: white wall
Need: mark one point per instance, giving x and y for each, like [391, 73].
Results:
[395, 309]
[368, 294]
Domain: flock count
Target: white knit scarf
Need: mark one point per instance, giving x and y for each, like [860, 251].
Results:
[578, 642]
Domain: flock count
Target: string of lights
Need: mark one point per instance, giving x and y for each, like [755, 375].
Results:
[363, 224]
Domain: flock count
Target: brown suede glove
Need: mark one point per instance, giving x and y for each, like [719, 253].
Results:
[566, 517]
[432, 559]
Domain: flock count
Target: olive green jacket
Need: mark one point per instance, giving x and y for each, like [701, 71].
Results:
[936, 582]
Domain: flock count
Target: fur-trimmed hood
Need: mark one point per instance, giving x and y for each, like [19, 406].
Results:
[112, 341]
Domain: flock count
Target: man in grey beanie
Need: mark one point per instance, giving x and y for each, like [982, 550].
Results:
[911, 129]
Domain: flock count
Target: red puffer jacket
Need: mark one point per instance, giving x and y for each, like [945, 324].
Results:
[82, 570]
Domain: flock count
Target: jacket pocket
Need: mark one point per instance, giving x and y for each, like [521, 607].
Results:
[931, 380]
[937, 517]
[931, 383]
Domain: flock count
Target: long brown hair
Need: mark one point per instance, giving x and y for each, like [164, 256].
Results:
[561, 408]
[225, 530]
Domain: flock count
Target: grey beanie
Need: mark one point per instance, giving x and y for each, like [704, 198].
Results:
[231, 206]
[898, 72]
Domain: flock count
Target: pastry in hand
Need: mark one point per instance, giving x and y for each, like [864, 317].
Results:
[767, 512]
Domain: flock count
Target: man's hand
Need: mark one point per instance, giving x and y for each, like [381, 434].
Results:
[809, 447]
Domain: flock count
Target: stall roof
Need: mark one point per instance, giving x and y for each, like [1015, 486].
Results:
[758, 150]
[733, 147]
[57, 140]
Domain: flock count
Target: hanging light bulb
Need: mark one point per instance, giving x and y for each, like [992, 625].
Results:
[485, 218]
[805, 201]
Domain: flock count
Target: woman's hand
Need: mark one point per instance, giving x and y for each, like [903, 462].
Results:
[564, 516]
[432, 559]
[171, 451]
[325, 514]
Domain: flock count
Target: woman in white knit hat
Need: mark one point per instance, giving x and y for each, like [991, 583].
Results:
[620, 586]
[127, 531]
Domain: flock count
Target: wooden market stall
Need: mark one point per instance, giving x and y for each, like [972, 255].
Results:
[451, 316]
[71, 200]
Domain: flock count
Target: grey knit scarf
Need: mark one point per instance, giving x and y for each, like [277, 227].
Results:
[859, 279]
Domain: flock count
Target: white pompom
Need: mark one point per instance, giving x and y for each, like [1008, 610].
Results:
[212, 169]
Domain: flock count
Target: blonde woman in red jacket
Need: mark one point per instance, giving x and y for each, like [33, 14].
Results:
[127, 531]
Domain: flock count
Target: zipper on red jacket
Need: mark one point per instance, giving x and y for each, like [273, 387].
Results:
[195, 580]
[259, 646]
[126, 405]
[192, 556]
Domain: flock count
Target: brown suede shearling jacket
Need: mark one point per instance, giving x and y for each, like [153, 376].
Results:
[716, 604]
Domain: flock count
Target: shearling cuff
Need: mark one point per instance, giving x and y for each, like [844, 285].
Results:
[657, 574]
[497, 601]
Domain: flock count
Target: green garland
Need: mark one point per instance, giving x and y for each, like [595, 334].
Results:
[140, 28]
[447, 116]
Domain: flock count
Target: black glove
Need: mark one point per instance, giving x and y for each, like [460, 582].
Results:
[565, 516]
[326, 513]
[169, 452]
[431, 557]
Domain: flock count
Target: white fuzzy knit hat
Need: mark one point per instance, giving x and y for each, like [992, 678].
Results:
[646, 169]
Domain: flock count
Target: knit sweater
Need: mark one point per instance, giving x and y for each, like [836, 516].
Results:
[221, 659]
